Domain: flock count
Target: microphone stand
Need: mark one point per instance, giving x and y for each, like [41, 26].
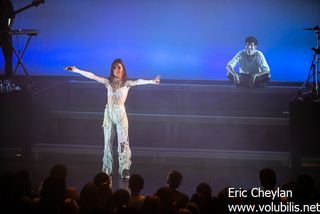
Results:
[313, 72]
[317, 54]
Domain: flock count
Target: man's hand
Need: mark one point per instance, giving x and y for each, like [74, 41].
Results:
[236, 79]
[253, 80]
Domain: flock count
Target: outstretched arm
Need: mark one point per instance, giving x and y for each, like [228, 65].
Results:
[144, 82]
[87, 74]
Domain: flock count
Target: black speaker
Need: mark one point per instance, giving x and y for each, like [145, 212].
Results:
[15, 120]
[305, 128]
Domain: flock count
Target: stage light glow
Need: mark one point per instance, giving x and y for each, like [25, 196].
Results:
[177, 39]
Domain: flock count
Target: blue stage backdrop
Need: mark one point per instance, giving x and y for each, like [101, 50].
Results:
[178, 39]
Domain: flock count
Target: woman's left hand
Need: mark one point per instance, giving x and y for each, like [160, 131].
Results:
[157, 80]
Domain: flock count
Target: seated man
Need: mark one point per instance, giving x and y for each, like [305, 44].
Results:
[253, 67]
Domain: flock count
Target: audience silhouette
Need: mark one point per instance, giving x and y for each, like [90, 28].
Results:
[97, 197]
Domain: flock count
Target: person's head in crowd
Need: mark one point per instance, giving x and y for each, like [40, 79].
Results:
[184, 211]
[268, 178]
[151, 205]
[174, 179]
[305, 189]
[136, 183]
[205, 189]
[102, 178]
[88, 198]
[59, 171]
[121, 198]
[22, 183]
[203, 198]
[193, 208]
[53, 191]
[165, 197]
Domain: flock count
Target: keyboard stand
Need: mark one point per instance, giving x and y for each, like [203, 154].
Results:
[30, 34]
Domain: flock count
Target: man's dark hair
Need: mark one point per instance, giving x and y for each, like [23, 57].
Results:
[251, 39]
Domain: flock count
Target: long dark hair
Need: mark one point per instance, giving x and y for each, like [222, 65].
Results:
[111, 76]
